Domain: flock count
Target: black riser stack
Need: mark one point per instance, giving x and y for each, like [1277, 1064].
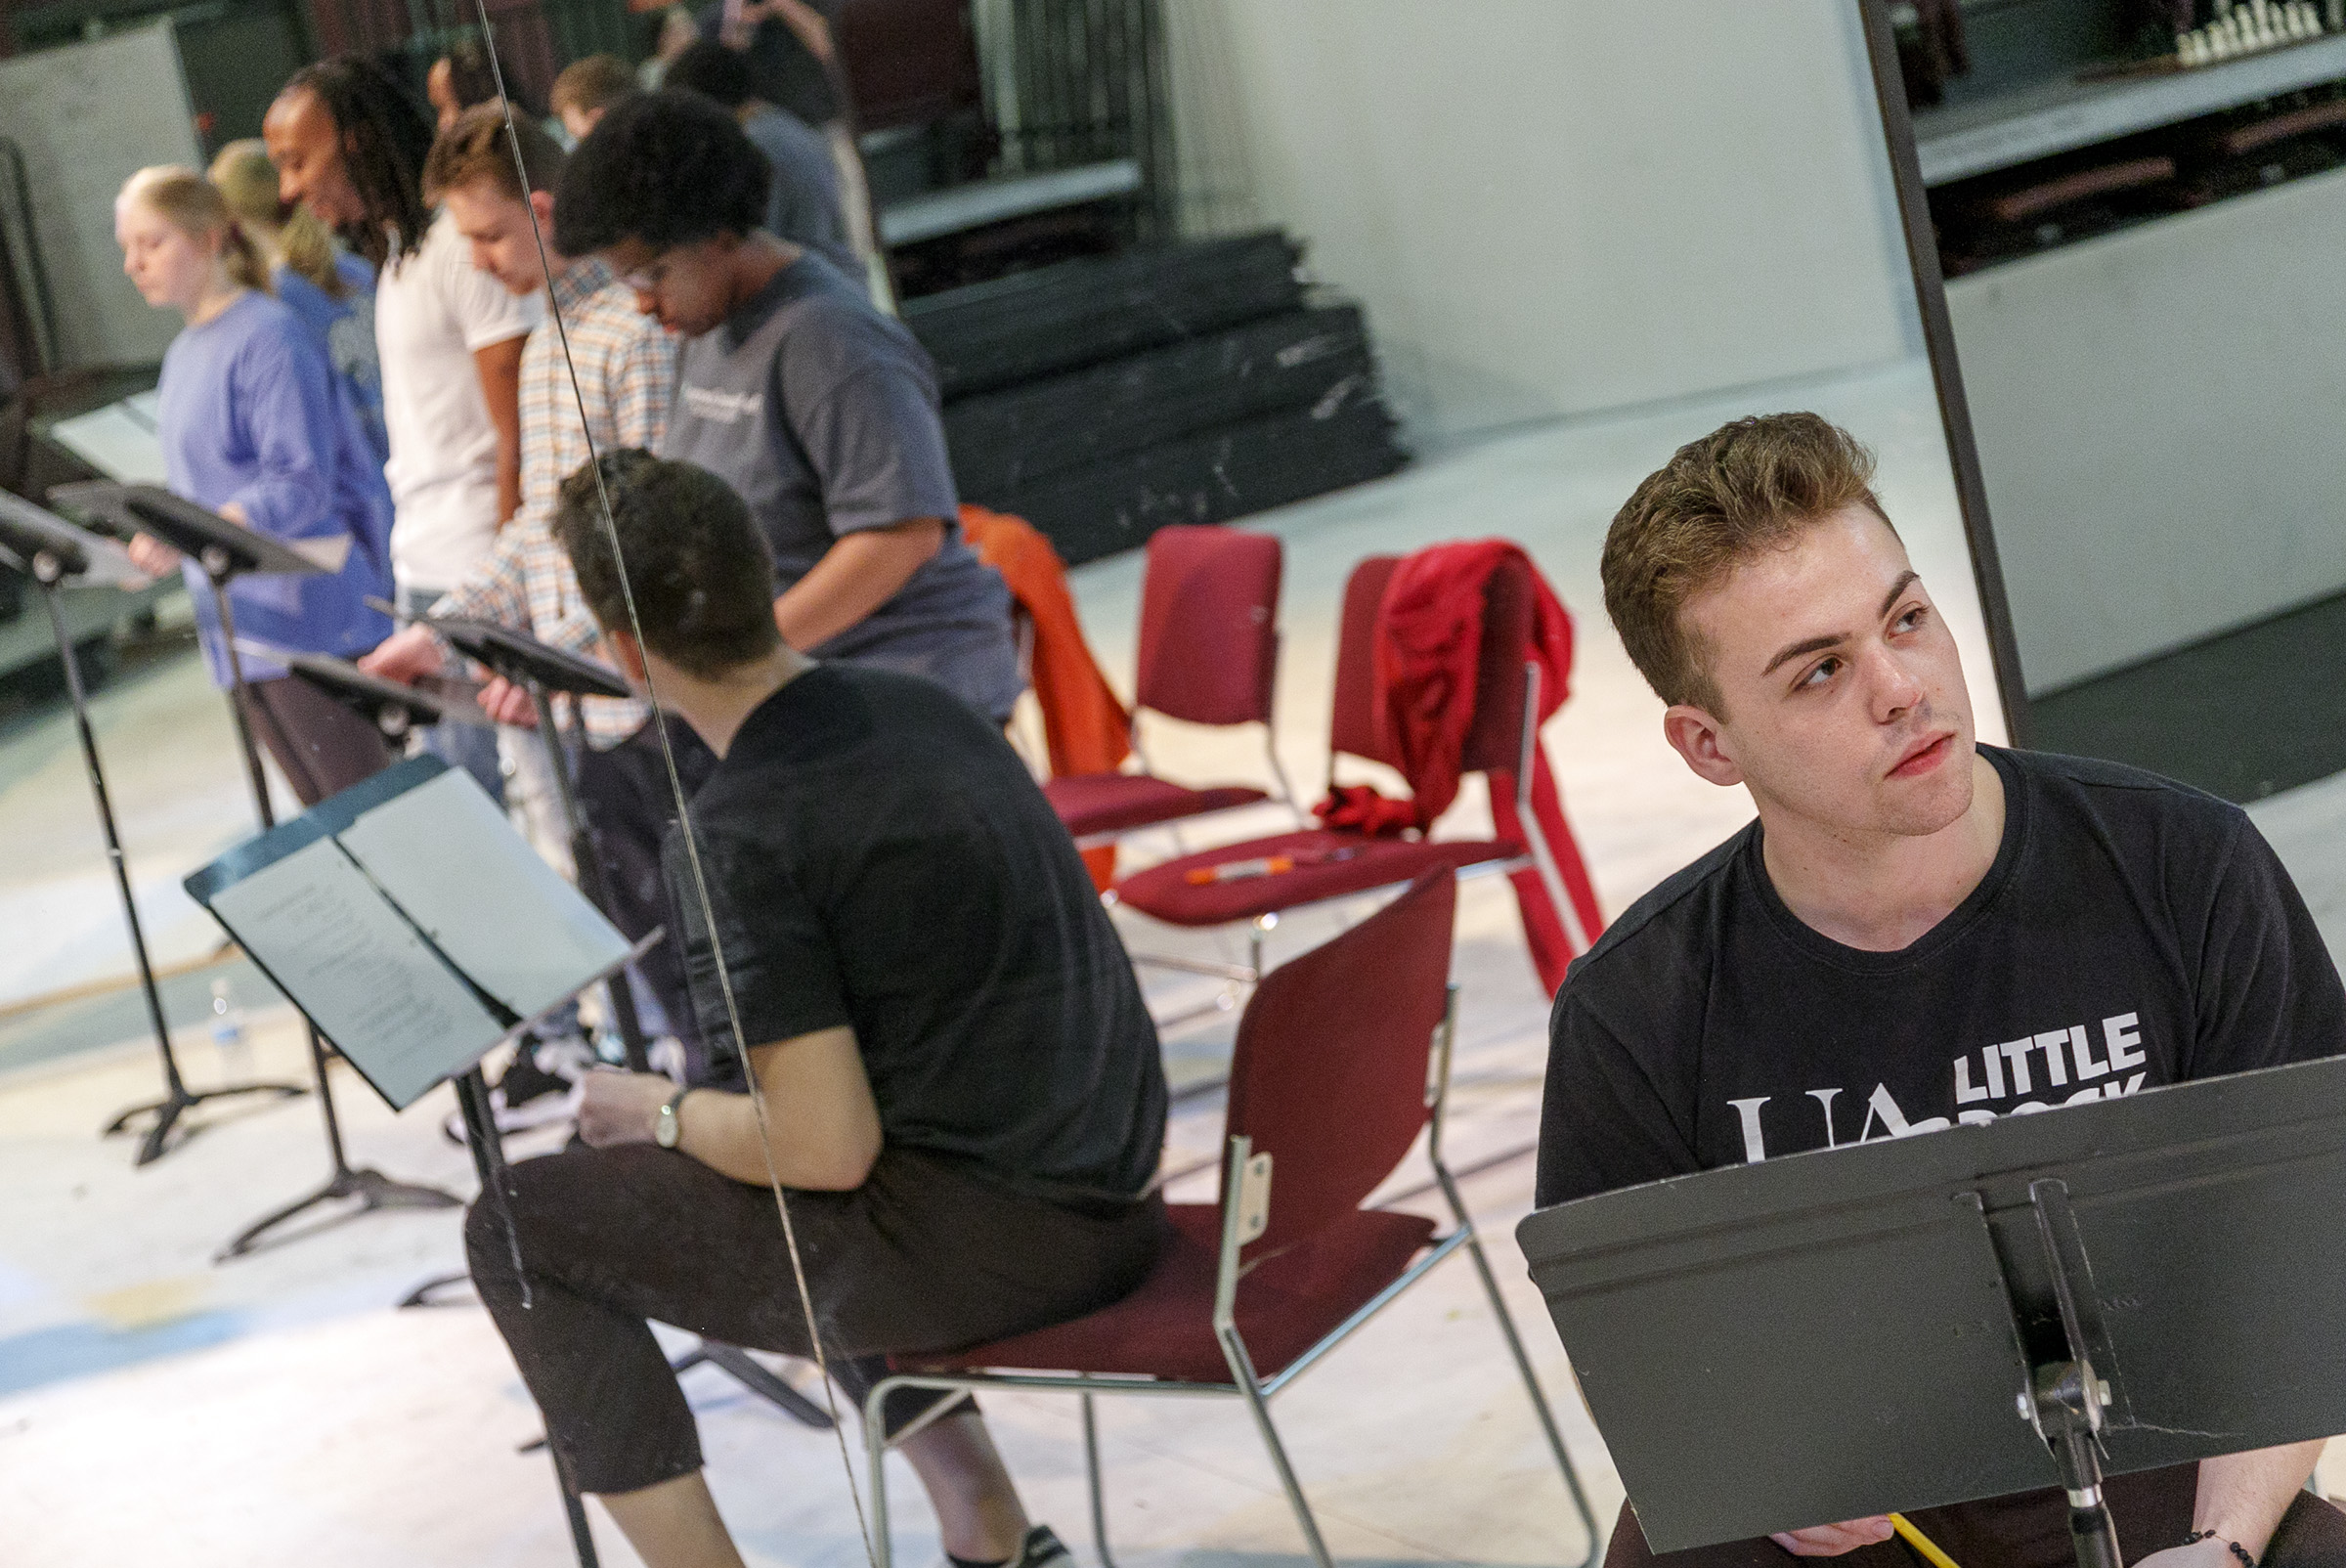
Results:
[1103, 399]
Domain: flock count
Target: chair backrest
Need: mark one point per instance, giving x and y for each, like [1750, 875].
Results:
[1495, 737]
[1329, 1075]
[1209, 625]
[1355, 726]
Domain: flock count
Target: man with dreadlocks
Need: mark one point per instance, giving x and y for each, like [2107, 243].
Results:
[348, 144]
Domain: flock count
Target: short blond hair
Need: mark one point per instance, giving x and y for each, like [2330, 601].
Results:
[1751, 485]
[591, 84]
[478, 145]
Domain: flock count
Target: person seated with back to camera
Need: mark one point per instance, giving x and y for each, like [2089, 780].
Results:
[1918, 930]
[961, 1087]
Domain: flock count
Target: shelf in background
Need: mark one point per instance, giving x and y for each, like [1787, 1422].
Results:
[1956, 143]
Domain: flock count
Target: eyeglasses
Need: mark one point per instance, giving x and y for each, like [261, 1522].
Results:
[647, 279]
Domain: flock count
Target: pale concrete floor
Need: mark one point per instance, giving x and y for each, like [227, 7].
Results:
[156, 1405]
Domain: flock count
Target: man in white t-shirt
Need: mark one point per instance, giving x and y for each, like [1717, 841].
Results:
[349, 142]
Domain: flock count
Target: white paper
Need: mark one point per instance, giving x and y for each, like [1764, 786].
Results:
[115, 441]
[327, 552]
[347, 960]
[446, 856]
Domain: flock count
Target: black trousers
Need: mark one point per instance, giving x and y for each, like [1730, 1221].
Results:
[2152, 1509]
[322, 747]
[928, 1254]
[625, 796]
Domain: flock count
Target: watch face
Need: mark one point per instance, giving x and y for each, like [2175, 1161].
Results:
[665, 1127]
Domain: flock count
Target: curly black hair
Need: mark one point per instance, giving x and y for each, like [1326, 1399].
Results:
[716, 72]
[702, 573]
[386, 135]
[667, 169]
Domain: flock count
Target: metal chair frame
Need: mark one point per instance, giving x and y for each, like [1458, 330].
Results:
[1245, 1215]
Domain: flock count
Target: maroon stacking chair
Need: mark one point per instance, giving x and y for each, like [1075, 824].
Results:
[1210, 652]
[1329, 1087]
[1331, 863]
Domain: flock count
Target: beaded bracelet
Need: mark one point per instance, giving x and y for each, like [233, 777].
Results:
[2248, 1558]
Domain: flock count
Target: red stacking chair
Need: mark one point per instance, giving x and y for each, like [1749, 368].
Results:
[1324, 863]
[1329, 1089]
[1209, 649]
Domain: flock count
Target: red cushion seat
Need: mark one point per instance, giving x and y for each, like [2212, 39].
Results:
[1289, 1301]
[1328, 864]
[1114, 803]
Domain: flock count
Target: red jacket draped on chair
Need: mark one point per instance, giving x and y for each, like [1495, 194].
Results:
[1428, 648]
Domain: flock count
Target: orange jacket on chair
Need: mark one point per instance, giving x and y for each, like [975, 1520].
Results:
[1085, 728]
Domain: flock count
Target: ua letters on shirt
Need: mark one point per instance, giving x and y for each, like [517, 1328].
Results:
[2131, 933]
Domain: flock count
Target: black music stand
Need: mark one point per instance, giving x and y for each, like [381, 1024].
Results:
[545, 671]
[2105, 1288]
[51, 552]
[396, 711]
[226, 551]
[486, 1148]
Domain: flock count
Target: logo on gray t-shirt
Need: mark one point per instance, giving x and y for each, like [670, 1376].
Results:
[725, 408]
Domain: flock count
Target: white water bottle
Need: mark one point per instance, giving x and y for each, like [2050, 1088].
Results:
[228, 1025]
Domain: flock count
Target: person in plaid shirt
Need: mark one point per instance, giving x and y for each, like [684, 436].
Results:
[626, 368]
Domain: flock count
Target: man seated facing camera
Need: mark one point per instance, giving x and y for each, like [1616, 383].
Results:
[1918, 930]
[954, 1076]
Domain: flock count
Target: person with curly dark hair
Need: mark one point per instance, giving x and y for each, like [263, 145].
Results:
[818, 409]
[350, 143]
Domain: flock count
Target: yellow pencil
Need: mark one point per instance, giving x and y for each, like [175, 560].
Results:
[1921, 1543]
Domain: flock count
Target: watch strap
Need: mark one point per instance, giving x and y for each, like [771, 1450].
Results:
[668, 1125]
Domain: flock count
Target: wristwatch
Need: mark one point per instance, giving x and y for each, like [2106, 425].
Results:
[667, 1125]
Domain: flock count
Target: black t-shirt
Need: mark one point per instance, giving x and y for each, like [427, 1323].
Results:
[878, 857]
[2131, 931]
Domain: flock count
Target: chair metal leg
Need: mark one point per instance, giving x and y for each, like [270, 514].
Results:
[1091, 1468]
[1241, 1368]
[875, 1447]
[1523, 1364]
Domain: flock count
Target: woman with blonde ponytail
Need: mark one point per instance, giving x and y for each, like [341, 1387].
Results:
[332, 291]
[255, 425]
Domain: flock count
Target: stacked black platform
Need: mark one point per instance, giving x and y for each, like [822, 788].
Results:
[1104, 398]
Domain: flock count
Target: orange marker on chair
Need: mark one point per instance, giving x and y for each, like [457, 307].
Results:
[1269, 865]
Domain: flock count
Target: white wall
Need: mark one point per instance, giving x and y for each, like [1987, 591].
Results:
[1555, 206]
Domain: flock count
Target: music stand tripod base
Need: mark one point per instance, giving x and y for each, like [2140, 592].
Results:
[371, 1188]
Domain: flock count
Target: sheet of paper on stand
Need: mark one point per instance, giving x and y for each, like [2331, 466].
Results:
[347, 959]
[117, 440]
[448, 859]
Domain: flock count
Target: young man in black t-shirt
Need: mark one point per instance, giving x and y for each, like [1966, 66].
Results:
[953, 1071]
[1917, 931]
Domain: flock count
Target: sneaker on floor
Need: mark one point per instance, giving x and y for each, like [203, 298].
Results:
[1041, 1549]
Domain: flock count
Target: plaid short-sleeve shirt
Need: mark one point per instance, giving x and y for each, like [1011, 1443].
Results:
[625, 365]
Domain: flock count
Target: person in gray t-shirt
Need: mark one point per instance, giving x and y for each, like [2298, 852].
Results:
[821, 411]
[802, 204]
